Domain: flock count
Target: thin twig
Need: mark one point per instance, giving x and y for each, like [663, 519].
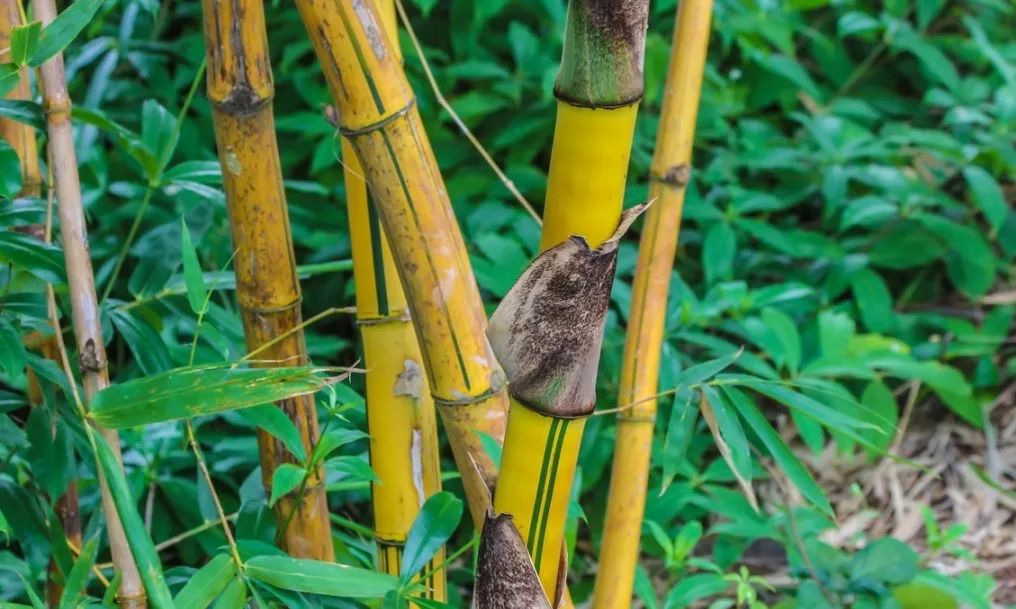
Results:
[298, 328]
[458, 121]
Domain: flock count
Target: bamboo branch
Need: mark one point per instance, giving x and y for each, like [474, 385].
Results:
[81, 281]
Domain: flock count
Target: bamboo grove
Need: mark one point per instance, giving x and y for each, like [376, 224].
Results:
[525, 379]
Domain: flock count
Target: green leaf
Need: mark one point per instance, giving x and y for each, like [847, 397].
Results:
[24, 41]
[731, 435]
[22, 111]
[233, 597]
[10, 76]
[271, 419]
[78, 577]
[10, 171]
[694, 587]
[778, 449]
[64, 29]
[5, 527]
[813, 408]
[196, 292]
[148, 348]
[427, 603]
[885, 560]
[835, 330]
[207, 583]
[702, 372]
[873, 300]
[142, 548]
[13, 354]
[317, 577]
[987, 195]
[199, 390]
[351, 465]
[333, 440]
[784, 331]
[32, 596]
[718, 252]
[435, 523]
[680, 429]
[939, 376]
[285, 480]
[43, 260]
[879, 409]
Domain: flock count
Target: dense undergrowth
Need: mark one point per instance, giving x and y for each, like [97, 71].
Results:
[849, 223]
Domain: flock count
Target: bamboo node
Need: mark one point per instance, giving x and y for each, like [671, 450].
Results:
[366, 129]
[469, 399]
[132, 601]
[90, 359]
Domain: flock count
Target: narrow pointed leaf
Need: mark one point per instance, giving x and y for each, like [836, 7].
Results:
[285, 480]
[433, 526]
[43, 260]
[62, 30]
[196, 291]
[233, 597]
[77, 579]
[317, 577]
[207, 583]
[271, 419]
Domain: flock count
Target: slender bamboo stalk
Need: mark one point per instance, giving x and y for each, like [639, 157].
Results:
[598, 88]
[639, 374]
[267, 287]
[81, 281]
[378, 116]
[400, 410]
[22, 139]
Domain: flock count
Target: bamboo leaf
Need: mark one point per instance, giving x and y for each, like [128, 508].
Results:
[196, 292]
[680, 428]
[148, 348]
[78, 577]
[13, 354]
[33, 597]
[5, 526]
[207, 583]
[433, 526]
[233, 597]
[64, 29]
[24, 41]
[43, 260]
[199, 390]
[333, 440]
[22, 111]
[986, 194]
[10, 75]
[141, 546]
[700, 373]
[811, 407]
[427, 603]
[317, 577]
[272, 420]
[778, 449]
[730, 438]
[285, 480]
[10, 171]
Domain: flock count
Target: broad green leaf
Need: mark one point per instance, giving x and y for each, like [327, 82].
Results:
[148, 348]
[65, 28]
[233, 597]
[731, 440]
[13, 354]
[778, 449]
[885, 560]
[22, 111]
[285, 480]
[987, 195]
[718, 252]
[435, 523]
[879, 409]
[782, 328]
[317, 577]
[680, 428]
[10, 171]
[196, 291]
[77, 579]
[873, 300]
[24, 41]
[207, 583]
[351, 465]
[25, 252]
[10, 76]
[334, 439]
[835, 332]
[939, 376]
[271, 419]
[142, 548]
[199, 390]
[694, 587]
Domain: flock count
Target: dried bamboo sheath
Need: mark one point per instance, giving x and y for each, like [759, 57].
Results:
[268, 290]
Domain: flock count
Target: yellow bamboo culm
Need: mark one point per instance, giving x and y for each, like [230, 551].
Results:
[267, 287]
[378, 117]
[400, 411]
[22, 139]
[596, 111]
[639, 374]
[81, 283]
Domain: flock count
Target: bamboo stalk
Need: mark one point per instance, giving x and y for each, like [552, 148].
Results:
[378, 116]
[267, 287]
[22, 139]
[81, 283]
[598, 88]
[639, 374]
[400, 411]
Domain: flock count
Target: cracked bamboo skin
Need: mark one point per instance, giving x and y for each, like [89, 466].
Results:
[379, 118]
[594, 129]
[669, 173]
[400, 411]
[81, 283]
[22, 139]
[240, 89]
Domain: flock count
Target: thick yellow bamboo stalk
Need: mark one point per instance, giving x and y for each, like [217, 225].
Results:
[81, 283]
[639, 374]
[267, 287]
[378, 116]
[22, 139]
[400, 411]
[598, 89]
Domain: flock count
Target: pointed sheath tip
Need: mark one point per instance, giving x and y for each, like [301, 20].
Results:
[505, 576]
